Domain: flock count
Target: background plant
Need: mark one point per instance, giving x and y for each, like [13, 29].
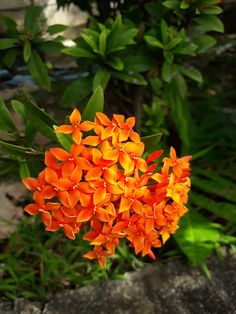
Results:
[29, 42]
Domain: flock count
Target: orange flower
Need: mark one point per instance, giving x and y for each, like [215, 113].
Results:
[104, 185]
[75, 127]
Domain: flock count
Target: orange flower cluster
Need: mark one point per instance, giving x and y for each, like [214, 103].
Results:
[103, 183]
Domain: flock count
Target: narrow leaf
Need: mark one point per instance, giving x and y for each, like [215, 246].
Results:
[95, 104]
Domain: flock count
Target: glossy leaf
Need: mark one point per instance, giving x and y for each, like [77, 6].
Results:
[79, 53]
[77, 91]
[56, 28]
[154, 42]
[38, 70]
[27, 51]
[197, 237]
[116, 63]
[210, 23]
[24, 170]
[6, 123]
[6, 43]
[102, 78]
[130, 77]
[31, 19]
[192, 73]
[95, 104]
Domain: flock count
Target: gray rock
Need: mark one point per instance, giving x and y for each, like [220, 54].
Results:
[170, 287]
[165, 287]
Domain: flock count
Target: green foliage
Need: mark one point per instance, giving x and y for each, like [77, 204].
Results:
[29, 43]
[35, 264]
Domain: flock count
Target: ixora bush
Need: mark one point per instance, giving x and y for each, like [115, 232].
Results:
[101, 182]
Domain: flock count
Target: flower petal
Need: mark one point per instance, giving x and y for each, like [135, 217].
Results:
[75, 117]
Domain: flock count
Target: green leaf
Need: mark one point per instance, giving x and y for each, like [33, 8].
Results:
[168, 55]
[48, 46]
[38, 70]
[113, 36]
[171, 4]
[127, 37]
[79, 53]
[192, 73]
[184, 5]
[6, 43]
[27, 51]
[181, 85]
[24, 170]
[10, 57]
[77, 91]
[139, 63]
[56, 28]
[210, 23]
[14, 149]
[185, 48]
[90, 41]
[213, 10]
[116, 63]
[151, 141]
[221, 209]
[164, 32]
[102, 78]
[64, 139]
[102, 41]
[19, 108]
[11, 26]
[216, 185]
[154, 42]
[204, 42]
[196, 237]
[42, 120]
[168, 71]
[130, 77]
[39, 113]
[6, 123]
[95, 104]
[31, 19]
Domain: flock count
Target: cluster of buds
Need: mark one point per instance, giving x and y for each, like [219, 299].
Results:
[105, 185]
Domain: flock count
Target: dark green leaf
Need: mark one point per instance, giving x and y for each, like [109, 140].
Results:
[95, 104]
[164, 32]
[127, 37]
[221, 209]
[213, 10]
[204, 42]
[192, 73]
[10, 24]
[31, 19]
[102, 78]
[79, 53]
[185, 48]
[210, 23]
[168, 55]
[10, 57]
[38, 70]
[151, 141]
[19, 108]
[130, 77]
[6, 123]
[139, 63]
[6, 43]
[76, 91]
[113, 36]
[56, 28]
[14, 149]
[48, 46]
[184, 5]
[168, 71]
[37, 112]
